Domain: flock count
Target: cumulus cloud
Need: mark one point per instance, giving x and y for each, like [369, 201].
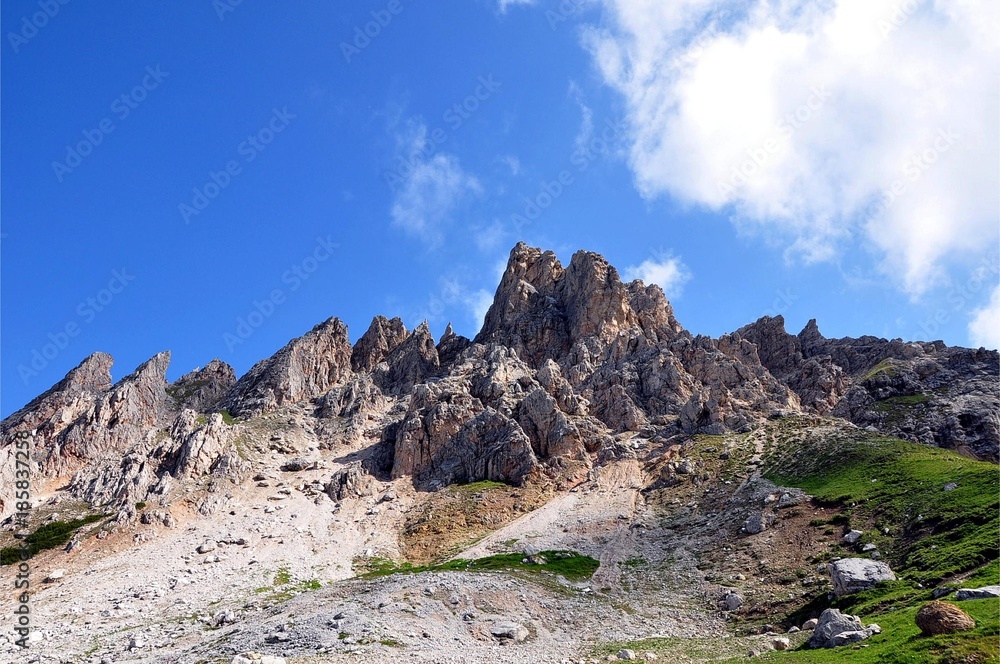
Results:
[872, 121]
[428, 187]
[984, 328]
[668, 272]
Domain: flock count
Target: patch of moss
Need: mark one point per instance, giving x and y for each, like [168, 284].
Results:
[569, 564]
[886, 366]
[49, 536]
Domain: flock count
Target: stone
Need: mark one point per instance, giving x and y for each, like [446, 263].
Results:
[732, 601]
[207, 546]
[985, 592]
[834, 628]
[759, 522]
[853, 536]
[780, 643]
[943, 618]
[55, 575]
[852, 575]
[809, 624]
[627, 654]
[507, 630]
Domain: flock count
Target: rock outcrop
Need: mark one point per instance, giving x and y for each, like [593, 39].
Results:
[925, 392]
[203, 388]
[570, 362]
[305, 368]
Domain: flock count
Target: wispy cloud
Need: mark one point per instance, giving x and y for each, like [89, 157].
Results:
[504, 5]
[432, 187]
[586, 131]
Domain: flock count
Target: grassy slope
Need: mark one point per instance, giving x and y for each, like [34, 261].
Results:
[895, 492]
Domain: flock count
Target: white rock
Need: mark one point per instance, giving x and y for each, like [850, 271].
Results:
[986, 592]
[851, 575]
[853, 536]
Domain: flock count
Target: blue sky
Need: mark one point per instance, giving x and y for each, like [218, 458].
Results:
[214, 178]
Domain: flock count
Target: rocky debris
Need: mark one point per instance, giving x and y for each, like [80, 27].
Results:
[55, 575]
[834, 628]
[508, 630]
[297, 464]
[381, 338]
[201, 389]
[853, 536]
[305, 368]
[759, 522]
[351, 480]
[852, 575]
[985, 592]
[256, 658]
[207, 546]
[732, 601]
[943, 618]
[921, 391]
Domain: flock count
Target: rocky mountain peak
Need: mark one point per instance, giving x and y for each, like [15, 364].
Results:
[381, 338]
[305, 367]
[202, 388]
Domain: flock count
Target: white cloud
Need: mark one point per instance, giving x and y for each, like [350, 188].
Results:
[586, 131]
[826, 105]
[506, 4]
[511, 162]
[668, 272]
[984, 328]
[429, 188]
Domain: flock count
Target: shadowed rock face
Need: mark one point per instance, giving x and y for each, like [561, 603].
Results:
[926, 392]
[569, 363]
[203, 388]
[305, 368]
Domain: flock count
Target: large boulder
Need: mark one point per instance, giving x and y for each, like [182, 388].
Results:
[986, 592]
[852, 575]
[941, 618]
[835, 629]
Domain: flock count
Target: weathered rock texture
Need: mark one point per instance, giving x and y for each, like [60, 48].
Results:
[569, 363]
[942, 618]
[921, 391]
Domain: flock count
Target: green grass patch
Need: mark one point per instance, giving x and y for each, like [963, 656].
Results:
[49, 536]
[886, 366]
[569, 564]
[885, 483]
[902, 643]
